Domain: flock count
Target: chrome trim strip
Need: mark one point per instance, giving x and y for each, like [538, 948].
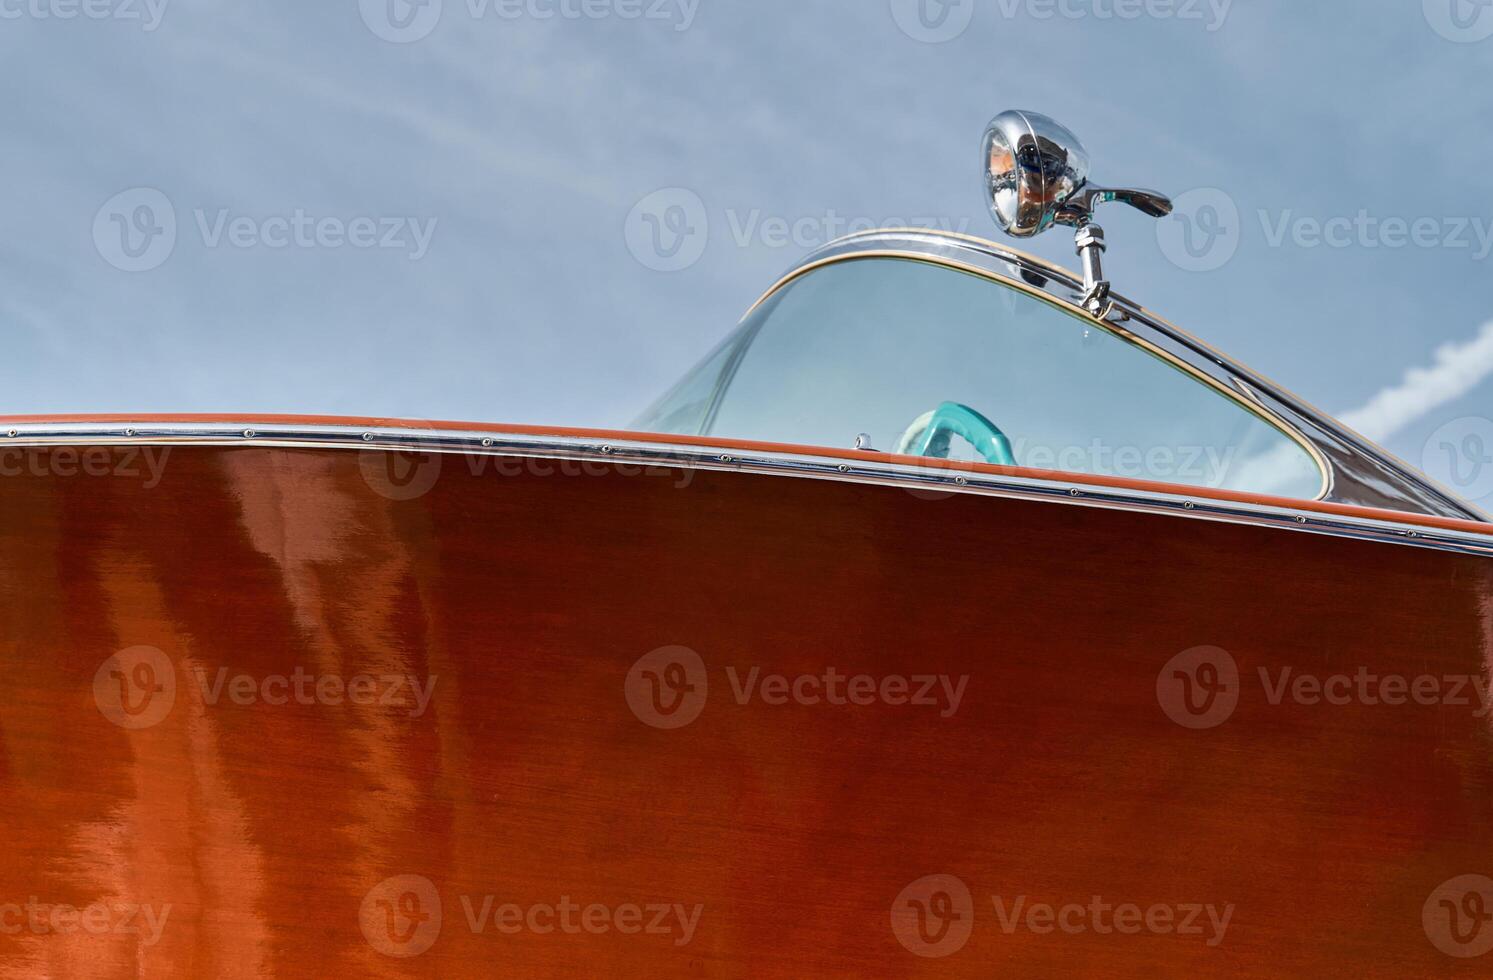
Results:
[944, 479]
[1359, 472]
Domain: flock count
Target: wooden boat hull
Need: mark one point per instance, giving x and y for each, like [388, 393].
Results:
[572, 755]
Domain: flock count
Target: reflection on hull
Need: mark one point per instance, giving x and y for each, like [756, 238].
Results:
[323, 712]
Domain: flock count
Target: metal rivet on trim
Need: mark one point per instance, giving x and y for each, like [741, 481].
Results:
[368, 437]
[487, 442]
[1190, 506]
[129, 432]
[961, 481]
[607, 450]
[13, 433]
[1412, 534]
[1301, 520]
[248, 433]
[725, 459]
[1075, 492]
[843, 468]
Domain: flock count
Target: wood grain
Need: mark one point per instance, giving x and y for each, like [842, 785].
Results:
[322, 837]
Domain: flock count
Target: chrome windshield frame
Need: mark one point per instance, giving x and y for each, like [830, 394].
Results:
[1356, 471]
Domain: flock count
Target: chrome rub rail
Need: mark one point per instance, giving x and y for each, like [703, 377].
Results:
[945, 478]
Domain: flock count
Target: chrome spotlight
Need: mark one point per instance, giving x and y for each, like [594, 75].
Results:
[1037, 175]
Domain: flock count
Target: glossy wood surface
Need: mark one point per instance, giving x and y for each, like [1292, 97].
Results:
[331, 838]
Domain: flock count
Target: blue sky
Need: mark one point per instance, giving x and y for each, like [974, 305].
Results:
[443, 219]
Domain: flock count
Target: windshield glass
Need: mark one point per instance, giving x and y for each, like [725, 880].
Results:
[934, 361]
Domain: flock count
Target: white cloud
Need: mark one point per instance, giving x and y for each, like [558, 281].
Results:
[1456, 369]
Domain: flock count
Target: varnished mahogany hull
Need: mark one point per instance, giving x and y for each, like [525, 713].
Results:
[267, 834]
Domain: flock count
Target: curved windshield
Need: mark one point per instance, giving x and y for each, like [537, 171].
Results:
[933, 361]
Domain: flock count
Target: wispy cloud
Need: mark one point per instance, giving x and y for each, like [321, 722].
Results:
[1456, 369]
